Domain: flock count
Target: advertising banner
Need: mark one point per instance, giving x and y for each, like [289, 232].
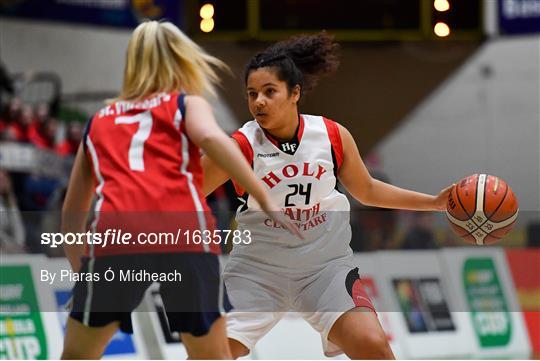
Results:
[527, 283]
[118, 13]
[425, 319]
[25, 332]
[519, 16]
[483, 287]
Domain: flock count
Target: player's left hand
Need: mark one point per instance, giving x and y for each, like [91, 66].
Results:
[442, 198]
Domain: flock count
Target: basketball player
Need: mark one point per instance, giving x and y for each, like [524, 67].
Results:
[300, 159]
[140, 154]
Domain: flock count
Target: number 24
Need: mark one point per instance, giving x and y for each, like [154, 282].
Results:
[298, 189]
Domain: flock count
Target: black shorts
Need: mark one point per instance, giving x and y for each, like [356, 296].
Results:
[189, 284]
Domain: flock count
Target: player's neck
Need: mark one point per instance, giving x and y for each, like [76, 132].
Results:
[288, 130]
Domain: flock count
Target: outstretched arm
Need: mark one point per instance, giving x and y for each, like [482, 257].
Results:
[355, 177]
[214, 175]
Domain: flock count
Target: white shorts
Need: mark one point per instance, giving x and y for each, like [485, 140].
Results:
[261, 295]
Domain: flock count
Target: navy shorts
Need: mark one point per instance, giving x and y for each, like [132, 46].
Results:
[190, 286]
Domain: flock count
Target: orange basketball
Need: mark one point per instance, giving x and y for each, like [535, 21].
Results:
[482, 209]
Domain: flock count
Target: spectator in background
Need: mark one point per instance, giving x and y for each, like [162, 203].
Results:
[73, 138]
[420, 235]
[4, 120]
[10, 116]
[34, 198]
[12, 235]
[36, 189]
[43, 133]
[19, 129]
[3, 124]
[42, 112]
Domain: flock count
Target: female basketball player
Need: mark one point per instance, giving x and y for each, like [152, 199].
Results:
[300, 158]
[140, 155]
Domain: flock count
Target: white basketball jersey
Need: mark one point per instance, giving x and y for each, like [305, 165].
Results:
[304, 186]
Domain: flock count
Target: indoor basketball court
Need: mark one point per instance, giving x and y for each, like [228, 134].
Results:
[391, 149]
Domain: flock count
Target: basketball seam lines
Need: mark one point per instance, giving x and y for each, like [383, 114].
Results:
[462, 206]
[476, 193]
[479, 208]
[500, 204]
[480, 226]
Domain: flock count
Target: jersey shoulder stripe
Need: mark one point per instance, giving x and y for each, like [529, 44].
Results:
[245, 145]
[247, 151]
[335, 139]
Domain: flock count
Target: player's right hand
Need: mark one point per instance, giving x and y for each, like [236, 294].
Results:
[274, 212]
[442, 198]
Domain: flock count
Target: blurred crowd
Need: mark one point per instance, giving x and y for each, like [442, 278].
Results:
[25, 194]
[35, 125]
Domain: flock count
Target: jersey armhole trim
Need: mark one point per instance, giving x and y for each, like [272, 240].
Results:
[86, 133]
[182, 104]
[247, 150]
[335, 140]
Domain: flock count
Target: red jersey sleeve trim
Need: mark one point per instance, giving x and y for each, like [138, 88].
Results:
[300, 128]
[246, 149]
[335, 139]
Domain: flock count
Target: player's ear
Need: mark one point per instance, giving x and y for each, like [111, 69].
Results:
[295, 93]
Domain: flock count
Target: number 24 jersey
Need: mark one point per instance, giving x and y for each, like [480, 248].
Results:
[301, 177]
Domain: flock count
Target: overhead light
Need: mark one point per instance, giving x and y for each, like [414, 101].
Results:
[441, 5]
[207, 25]
[207, 14]
[207, 11]
[441, 29]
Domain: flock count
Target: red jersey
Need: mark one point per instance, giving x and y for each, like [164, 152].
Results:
[148, 177]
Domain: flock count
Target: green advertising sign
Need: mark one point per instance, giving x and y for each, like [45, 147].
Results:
[21, 329]
[489, 310]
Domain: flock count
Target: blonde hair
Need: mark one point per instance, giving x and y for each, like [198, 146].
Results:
[161, 58]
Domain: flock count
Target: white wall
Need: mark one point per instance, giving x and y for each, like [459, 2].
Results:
[86, 58]
[68, 50]
[474, 123]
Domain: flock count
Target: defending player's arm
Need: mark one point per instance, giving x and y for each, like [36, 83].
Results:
[76, 205]
[214, 175]
[204, 131]
[355, 177]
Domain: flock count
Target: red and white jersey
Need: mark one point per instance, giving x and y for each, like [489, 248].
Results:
[148, 173]
[303, 184]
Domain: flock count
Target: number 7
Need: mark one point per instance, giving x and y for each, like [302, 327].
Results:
[136, 148]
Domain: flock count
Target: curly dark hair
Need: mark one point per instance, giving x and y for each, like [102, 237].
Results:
[301, 60]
